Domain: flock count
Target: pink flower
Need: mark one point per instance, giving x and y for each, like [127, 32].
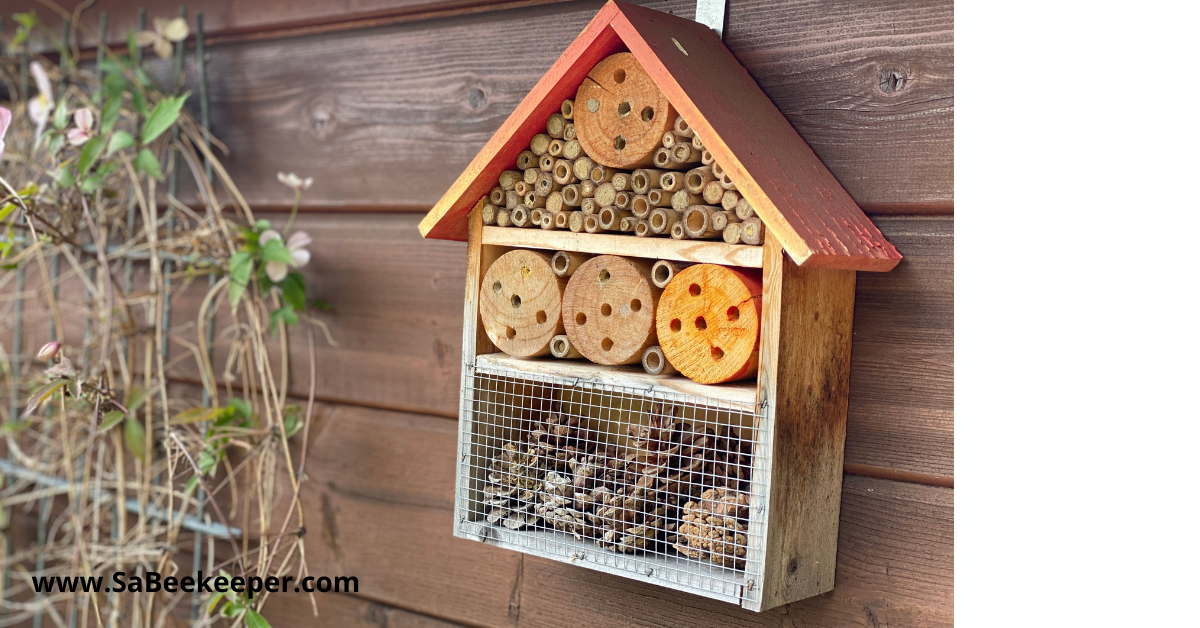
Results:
[296, 244]
[293, 181]
[43, 103]
[5, 120]
[49, 350]
[82, 131]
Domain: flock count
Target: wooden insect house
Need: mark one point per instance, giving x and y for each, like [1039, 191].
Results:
[656, 338]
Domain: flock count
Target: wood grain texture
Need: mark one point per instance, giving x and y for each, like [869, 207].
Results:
[384, 525]
[384, 118]
[652, 248]
[345, 611]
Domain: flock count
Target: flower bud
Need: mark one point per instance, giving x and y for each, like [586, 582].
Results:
[49, 350]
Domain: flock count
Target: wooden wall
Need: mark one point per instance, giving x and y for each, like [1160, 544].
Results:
[385, 101]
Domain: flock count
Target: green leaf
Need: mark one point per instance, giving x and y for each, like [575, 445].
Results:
[263, 224]
[131, 40]
[91, 184]
[286, 314]
[241, 265]
[241, 407]
[135, 438]
[114, 88]
[60, 114]
[136, 398]
[89, 154]
[44, 394]
[254, 620]
[276, 251]
[111, 419]
[54, 141]
[294, 291]
[321, 304]
[196, 415]
[165, 113]
[6, 210]
[65, 178]
[139, 100]
[292, 422]
[147, 163]
[107, 168]
[120, 140]
[28, 20]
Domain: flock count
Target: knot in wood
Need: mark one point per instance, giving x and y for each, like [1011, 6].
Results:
[892, 81]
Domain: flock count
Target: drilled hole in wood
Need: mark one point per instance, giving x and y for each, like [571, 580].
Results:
[717, 353]
[619, 143]
[580, 318]
[647, 114]
[540, 316]
[619, 75]
[510, 332]
[496, 287]
[516, 300]
[694, 290]
[623, 109]
[635, 305]
[701, 324]
[605, 276]
[733, 313]
[676, 325]
[606, 309]
[606, 344]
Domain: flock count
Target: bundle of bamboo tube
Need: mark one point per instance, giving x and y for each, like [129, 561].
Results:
[555, 184]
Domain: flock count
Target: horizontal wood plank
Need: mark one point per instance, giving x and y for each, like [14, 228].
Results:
[895, 555]
[699, 251]
[344, 611]
[385, 118]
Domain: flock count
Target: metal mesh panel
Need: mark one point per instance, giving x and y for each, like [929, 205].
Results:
[655, 485]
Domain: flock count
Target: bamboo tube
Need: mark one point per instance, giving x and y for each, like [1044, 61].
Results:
[682, 154]
[588, 206]
[562, 220]
[668, 139]
[591, 223]
[555, 125]
[621, 181]
[654, 362]
[662, 157]
[522, 188]
[565, 263]
[572, 150]
[717, 171]
[681, 128]
[608, 309]
[512, 199]
[605, 194]
[664, 271]
[564, 172]
[644, 179]
[503, 218]
[520, 217]
[726, 182]
[744, 210]
[569, 132]
[697, 222]
[554, 202]
[659, 198]
[532, 199]
[526, 160]
[556, 148]
[732, 233]
[561, 347]
[682, 199]
[663, 219]
[752, 231]
[671, 181]
[677, 232]
[729, 200]
[539, 144]
[587, 188]
[547, 220]
[713, 193]
[508, 178]
[697, 178]
[571, 195]
[718, 220]
[640, 206]
[520, 303]
[531, 174]
[708, 323]
[568, 109]
[601, 174]
[546, 162]
[489, 214]
[696, 143]
[546, 184]
[496, 196]
[535, 216]
[641, 228]
[583, 168]
[628, 224]
[610, 218]
[575, 221]
[706, 158]
[623, 200]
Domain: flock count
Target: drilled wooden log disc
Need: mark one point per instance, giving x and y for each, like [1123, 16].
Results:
[520, 303]
[608, 308]
[708, 323]
[621, 114]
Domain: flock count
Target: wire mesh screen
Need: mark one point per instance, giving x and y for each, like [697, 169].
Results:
[628, 480]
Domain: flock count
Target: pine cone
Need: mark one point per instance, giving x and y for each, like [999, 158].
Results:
[511, 489]
[555, 438]
[714, 528]
[556, 501]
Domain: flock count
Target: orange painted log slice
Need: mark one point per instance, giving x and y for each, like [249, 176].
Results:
[708, 323]
[621, 114]
[608, 308]
[520, 303]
